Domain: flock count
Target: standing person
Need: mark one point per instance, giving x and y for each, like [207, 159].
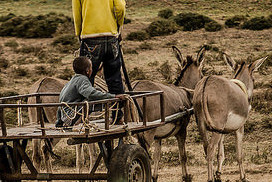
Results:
[97, 25]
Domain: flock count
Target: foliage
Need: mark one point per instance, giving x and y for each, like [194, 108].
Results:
[4, 63]
[257, 23]
[235, 21]
[127, 21]
[66, 74]
[166, 71]
[42, 26]
[213, 26]
[12, 44]
[136, 74]
[6, 17]
[145, 46]
[162, 27]
[66, 43]
[191, 21]
[139, 35]
[165, 13]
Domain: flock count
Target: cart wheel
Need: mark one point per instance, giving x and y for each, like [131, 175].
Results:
[129, 163]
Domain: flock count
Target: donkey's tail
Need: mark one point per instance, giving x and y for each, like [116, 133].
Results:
[204, 105]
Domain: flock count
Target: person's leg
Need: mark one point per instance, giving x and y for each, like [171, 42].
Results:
[112, 72]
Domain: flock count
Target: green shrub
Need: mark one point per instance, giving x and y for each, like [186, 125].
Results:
[20, 72]
[42, 70]
[213, 26]
[42, 26]
[139, 35]
[6, 17]
[66, 74]
[127, 21]
[162, 27]
[165, 13]
[262, 102]
[136, 74]
[4, 63]
[130, 51]
[12, 44]
[145, 46]
[257, 23]
[66, 43]
[235, 21]
[29, 49]
[166, 71]
[191, 21]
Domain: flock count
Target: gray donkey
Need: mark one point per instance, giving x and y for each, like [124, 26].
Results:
[222, 106]
[176, 99]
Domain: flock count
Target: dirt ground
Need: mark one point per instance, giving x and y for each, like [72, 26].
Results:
[240, 44]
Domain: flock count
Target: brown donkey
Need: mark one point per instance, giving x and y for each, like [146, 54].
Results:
[176, 99]
[222, 106]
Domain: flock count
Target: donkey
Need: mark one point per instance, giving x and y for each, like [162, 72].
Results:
[222, 106]
[48, 84]
[176, 99]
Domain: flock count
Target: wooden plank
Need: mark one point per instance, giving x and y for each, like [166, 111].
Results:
[162, 105]
[107, 117]
[39, 115]
[144, 111]
[26, 159]
[3, 123]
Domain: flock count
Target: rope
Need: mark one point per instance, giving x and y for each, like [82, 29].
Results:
[86, 119]
[19, 114]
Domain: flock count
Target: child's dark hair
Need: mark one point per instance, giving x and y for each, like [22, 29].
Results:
[81, 64]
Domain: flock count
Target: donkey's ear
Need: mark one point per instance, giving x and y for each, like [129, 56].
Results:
[230, 62]
[200, 55]
[179, 56]
[256, 64]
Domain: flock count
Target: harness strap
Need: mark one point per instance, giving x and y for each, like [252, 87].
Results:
[241, 85]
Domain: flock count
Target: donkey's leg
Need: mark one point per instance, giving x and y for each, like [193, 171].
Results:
[93, 155]
[79, 157]
[203, 133]
[47, 155]
[181, 137]
[239, 147]
[220, 159]
[156, 158]
[213, 143]
[37, 155]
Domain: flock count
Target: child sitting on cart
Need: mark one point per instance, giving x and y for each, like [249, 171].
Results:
[79, 89]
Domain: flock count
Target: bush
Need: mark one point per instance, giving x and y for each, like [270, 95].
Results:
[29, 49]
[166, 71]
[235, 21]
[139, 35]
[136, 74]
[21, 71]
[145, 46]
[191, 21]
[12, 44]
[7, 17]
[42, 70]
[162, 27]
[165, 13]
[257, 23]
[66, 74]
[4, 63]
[127, 21]
[42, 26]
[213, 26]
[66, 43]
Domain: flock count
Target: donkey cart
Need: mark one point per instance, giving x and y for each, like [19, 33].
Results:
[124, 162]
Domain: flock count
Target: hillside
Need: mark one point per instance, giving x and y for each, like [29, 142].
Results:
[25, 60]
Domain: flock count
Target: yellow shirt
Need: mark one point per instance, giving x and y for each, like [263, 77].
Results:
[96, 18]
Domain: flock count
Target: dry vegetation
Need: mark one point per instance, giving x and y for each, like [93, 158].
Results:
[25, 60]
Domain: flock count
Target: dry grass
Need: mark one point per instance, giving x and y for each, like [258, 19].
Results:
[39, 54]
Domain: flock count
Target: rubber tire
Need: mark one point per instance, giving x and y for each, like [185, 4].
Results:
[124, 157]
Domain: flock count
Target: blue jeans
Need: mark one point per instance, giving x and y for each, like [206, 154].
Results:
[105, 50]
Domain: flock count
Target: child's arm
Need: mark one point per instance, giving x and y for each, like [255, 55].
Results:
[90, 93]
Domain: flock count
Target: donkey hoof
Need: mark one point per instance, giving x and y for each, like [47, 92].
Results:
[187, 178]
[155, 179]
[245, 180]
[217, 177]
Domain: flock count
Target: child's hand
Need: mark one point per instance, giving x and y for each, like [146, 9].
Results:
[121, 96]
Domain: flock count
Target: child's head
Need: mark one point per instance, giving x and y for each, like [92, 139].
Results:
[82, 65]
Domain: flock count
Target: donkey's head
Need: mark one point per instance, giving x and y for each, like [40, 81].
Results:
[191, 70]
[244, 72]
